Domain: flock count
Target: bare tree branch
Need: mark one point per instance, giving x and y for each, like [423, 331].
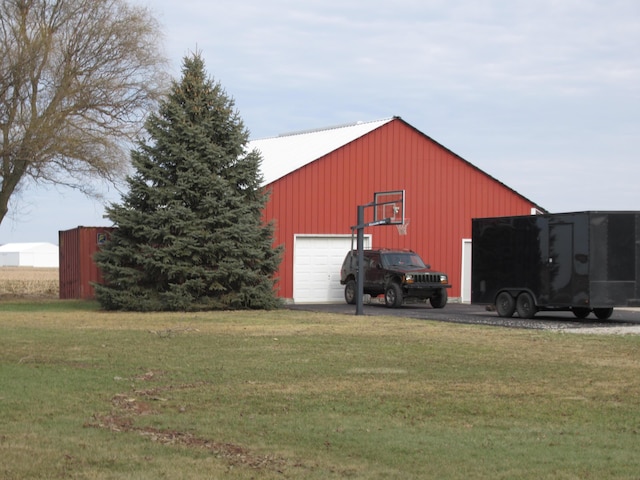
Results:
[77, 78]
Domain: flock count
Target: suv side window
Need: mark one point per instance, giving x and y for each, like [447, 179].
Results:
[388, 260]
[374, 260]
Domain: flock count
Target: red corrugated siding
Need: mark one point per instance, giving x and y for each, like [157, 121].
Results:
[69, 263]
[77, 268]
[443, 194]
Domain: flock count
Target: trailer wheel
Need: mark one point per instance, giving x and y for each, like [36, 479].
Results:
[505, 304]
[393, 295]
[525, 306]
[603, 313]
[581, 312]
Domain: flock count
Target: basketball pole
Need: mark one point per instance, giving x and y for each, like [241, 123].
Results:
[360, 247]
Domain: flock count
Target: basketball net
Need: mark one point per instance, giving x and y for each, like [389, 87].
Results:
[402, 227]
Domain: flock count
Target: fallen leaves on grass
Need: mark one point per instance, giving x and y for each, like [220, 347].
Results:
[126, 407]
[233, 453]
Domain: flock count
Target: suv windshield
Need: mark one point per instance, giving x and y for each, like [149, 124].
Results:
[405, 260]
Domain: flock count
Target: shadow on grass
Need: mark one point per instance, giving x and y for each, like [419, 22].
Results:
[12, 303]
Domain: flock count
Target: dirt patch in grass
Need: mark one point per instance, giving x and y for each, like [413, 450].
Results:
[126, 408]
[234, 454]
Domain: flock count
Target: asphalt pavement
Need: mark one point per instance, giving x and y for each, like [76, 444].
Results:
[478, 314]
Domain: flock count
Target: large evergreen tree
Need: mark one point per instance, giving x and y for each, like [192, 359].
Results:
[190, 232]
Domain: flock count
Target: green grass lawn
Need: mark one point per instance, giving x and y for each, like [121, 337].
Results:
[86, 394]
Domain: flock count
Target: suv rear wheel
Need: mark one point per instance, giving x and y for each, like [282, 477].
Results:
[393, 295]
[350, 292]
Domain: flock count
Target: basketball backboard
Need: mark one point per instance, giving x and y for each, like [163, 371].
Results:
[389, 205]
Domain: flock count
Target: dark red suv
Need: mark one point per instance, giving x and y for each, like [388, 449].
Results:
[398, 274]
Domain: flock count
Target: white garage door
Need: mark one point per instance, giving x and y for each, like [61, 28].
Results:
[316, 267]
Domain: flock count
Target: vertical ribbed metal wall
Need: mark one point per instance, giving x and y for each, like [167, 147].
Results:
[77, 268]
[443, 193]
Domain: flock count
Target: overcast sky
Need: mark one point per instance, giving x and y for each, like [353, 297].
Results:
[544, 95]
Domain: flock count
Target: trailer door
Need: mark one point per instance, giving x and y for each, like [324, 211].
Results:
[568, 263]
[559, 267]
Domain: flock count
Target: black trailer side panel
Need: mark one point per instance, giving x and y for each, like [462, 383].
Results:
[582, 259]
[567, 261]
[507, 252]
[615, 260]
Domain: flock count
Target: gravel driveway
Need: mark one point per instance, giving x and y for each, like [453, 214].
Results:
[623, 321]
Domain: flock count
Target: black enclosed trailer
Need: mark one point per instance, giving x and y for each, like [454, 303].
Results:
[582, 261]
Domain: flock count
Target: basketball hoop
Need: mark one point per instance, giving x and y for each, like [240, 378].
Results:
[402, 227]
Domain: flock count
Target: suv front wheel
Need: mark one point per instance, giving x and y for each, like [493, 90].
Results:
[393, 295]
[439, 299]
[350, 292]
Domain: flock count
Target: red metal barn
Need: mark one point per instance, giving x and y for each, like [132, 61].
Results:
[317, 179]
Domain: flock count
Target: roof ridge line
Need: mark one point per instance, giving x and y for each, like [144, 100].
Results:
[324, 129]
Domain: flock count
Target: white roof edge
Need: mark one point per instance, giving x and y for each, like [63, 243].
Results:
[288, 152]
[333, 127]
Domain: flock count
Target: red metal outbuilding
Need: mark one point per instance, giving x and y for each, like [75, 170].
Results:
[315, 204]
[77, 268]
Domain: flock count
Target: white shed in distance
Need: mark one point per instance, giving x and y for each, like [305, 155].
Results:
[29, 255]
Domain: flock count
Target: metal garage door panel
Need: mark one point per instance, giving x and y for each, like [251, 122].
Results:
[316, 267]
